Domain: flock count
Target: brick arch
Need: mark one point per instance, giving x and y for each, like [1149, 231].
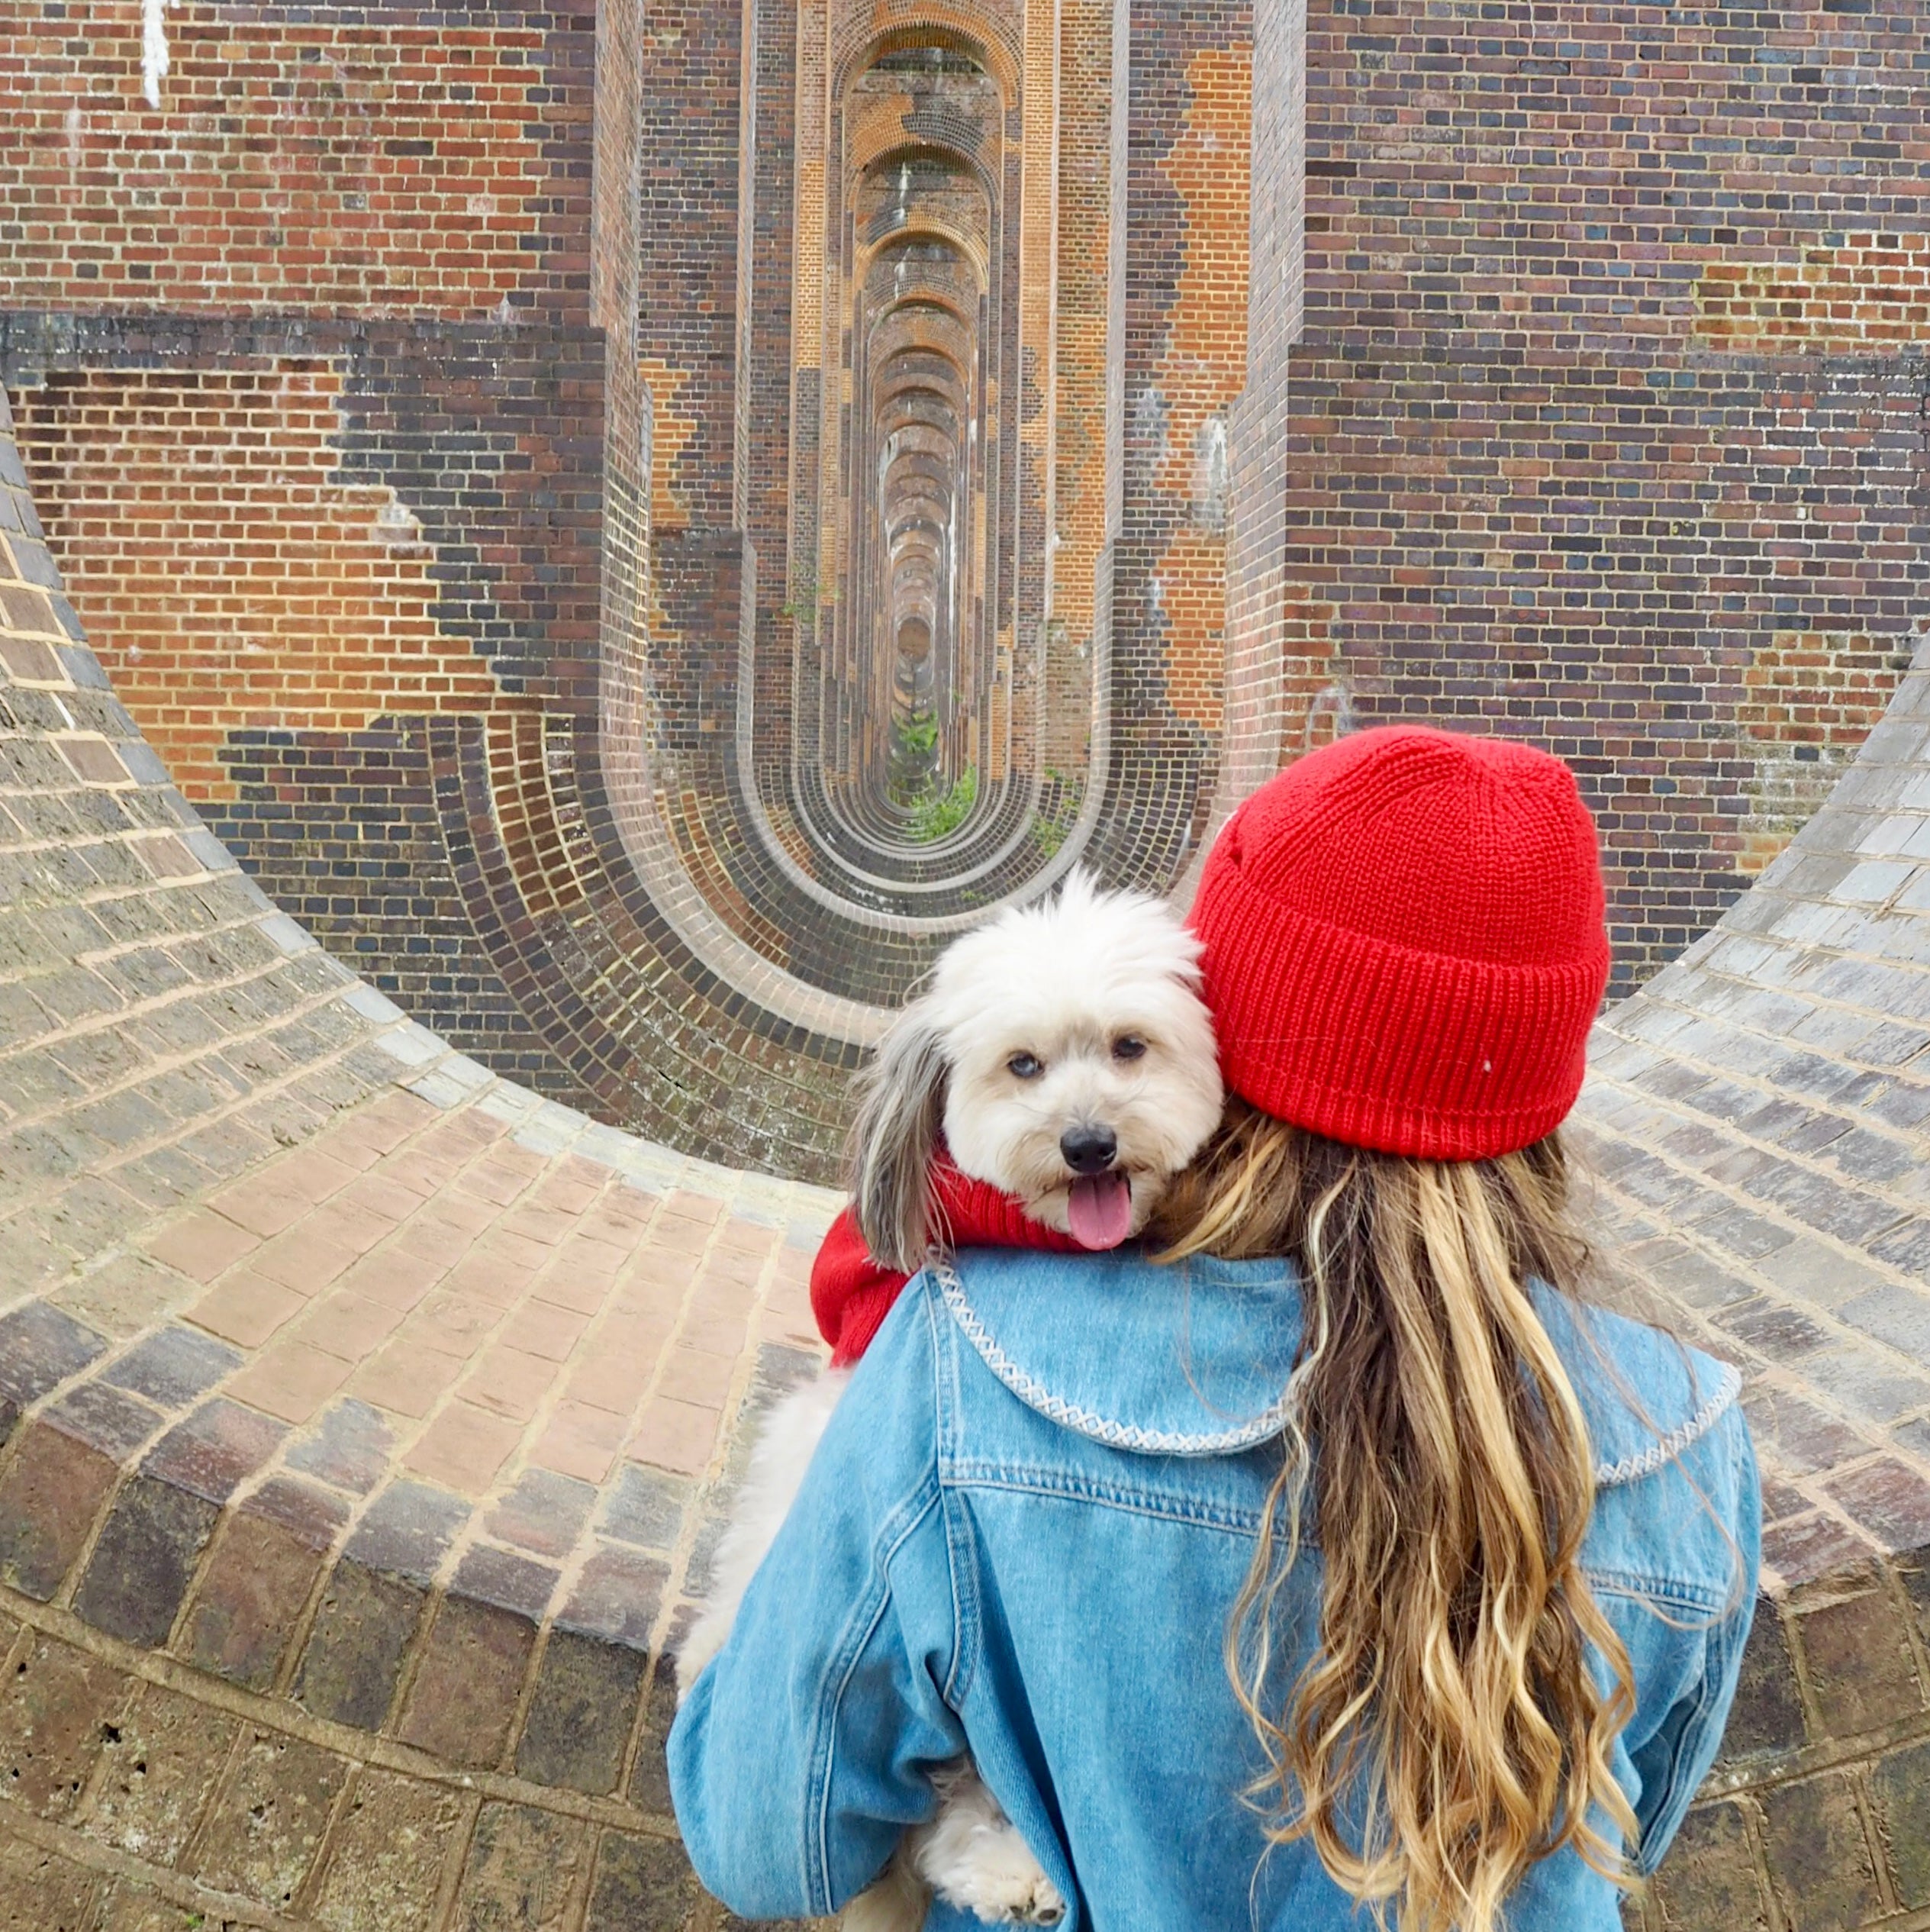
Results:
[987, 34]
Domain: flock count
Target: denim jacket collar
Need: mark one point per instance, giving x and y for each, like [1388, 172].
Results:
[1193, 1359]
[1190, 1359]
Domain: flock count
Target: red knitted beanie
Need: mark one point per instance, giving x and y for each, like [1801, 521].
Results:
[1405, 943]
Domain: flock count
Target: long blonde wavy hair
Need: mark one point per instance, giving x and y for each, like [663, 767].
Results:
[1448, 1729]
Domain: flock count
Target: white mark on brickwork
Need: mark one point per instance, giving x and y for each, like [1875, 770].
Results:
[154, 48]
[397, 525]
[76, 126]
[1212, 478]
[1335, 703]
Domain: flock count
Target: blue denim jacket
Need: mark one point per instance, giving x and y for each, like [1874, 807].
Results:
[1022, 1535]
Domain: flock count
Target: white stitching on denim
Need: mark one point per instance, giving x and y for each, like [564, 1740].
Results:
[1728, 1385]
[1121, 1435]
[1055, 1408]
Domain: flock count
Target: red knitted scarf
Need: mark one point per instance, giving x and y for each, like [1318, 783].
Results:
[852, 1294]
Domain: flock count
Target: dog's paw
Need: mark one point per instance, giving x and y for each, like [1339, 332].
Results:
[999, 1882]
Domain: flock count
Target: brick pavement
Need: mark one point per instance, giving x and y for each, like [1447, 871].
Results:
[1758, 1116]
[337, 1592]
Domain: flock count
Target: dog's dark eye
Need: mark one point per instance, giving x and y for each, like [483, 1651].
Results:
[1025, 1067]
[1128, 1047]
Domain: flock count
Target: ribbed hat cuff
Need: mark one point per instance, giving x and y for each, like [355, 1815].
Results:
[1380, 1046]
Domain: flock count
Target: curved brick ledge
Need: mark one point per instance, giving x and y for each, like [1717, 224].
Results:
[347, 1603]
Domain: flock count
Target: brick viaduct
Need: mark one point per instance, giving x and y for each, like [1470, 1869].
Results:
[630, 524]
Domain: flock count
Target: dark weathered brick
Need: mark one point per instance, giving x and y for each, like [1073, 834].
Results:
[649, 1783]
[1861, 1669]
[1888, 1499]
[349, 1447]
[616, 1596]
[314, 1515]
[580, 1717]
[267, 1821]
[386, 1855]
[146, 1555]
[1899, 1789]
[49, 1495]
[407, 1529]
[1817, 1544]
[464, 1698]
[40, 1348]
[643, 1885]
[41, 1889]
[543, 1512]
[55, 1712]
[104, 1418]
[251, 1596]
[511, 1582]
[215, 1448]
[1710, 1876]
[645, 1507]
[1819, 1856]
[522, 1871]
[158, 1764]
[1767, 1713]
[361, 1632]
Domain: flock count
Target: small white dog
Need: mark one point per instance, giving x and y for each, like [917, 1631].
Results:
[1065, 1056]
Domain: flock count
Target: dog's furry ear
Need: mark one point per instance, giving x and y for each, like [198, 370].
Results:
[900, 1112]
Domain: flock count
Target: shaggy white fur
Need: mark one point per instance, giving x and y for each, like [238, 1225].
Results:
[1071, 986]
[1047, 1026]
[777, 1467]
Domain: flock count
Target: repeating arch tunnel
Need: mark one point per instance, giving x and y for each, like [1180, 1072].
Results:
[715, 686]
[1006, 476]
[915, 684]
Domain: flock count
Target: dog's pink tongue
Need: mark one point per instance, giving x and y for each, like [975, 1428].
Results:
[1100, 1210]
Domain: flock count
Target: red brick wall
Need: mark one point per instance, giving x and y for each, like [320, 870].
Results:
[1201, 373]
[1600, 402]
[1809, 699]
[232, 580]
[391, 159]
[1866, 291]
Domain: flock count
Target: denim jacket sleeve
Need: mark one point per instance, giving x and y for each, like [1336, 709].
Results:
[803, 1749]
[1675, 1758]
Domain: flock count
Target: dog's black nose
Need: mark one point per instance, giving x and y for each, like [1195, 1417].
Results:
[1089, 1150]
